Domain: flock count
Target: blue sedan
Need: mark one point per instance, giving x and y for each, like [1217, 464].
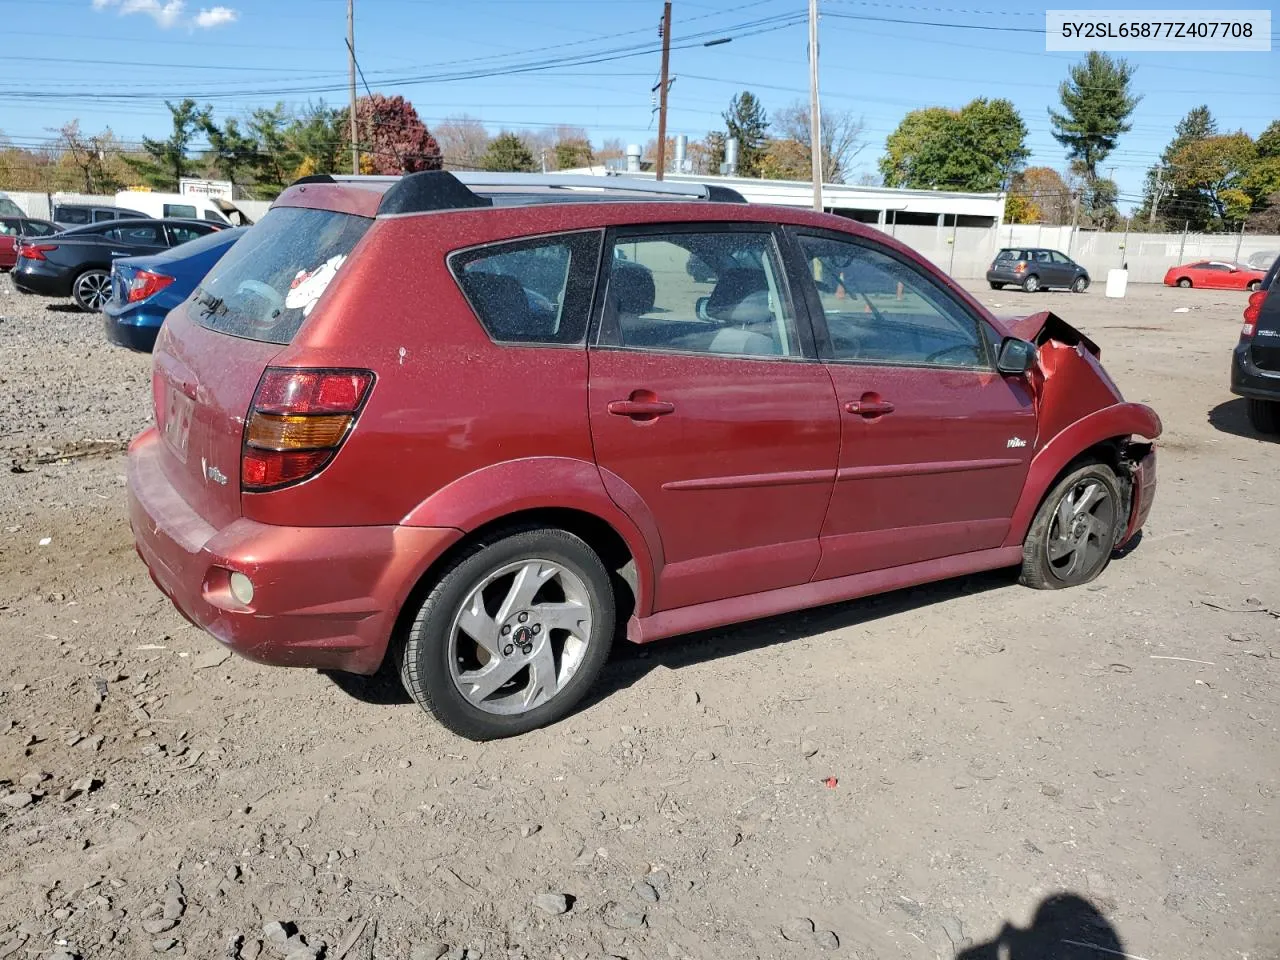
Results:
[144, 289]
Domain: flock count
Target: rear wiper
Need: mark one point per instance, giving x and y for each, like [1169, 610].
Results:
[209, 301]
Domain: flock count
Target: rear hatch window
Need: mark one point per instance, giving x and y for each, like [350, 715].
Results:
[268, 282]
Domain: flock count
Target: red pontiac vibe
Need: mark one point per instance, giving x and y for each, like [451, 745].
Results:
[482, 423]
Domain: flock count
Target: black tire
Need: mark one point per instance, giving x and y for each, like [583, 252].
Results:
[91, 289]
[1080, 285]
[425, 667]
[1031, 283]
[1264, 415]
[1040, 569]
[996, 286]
[1255, 286]
[1184, 282]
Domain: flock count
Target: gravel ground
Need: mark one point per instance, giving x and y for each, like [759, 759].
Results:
[970, 768]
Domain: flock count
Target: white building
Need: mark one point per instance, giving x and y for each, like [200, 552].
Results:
[885, 207]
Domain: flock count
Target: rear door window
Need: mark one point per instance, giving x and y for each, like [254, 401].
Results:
[531, 291]
[72, 215]
[137, 233]
[182, 233]
[267, 283]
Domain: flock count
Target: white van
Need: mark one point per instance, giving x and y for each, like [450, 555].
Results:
[188, 206]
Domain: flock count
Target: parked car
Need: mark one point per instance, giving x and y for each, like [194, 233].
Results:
[8, 208]
[394, 420]
[1035, 268]
[68, 216]
[77, 263]
[1215, 275]
[184, 206]
[145, 289]
[13, 229]
[1255, 362]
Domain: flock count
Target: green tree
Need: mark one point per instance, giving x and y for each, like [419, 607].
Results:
[96, 158]
[747, 121]
[166, 161]
[1216, 168]
[1096, 106]
[507, 152]
[233, 153]
[1159, 193]
[981, 146]
[713, 145]
[318, 141]
[1045, 192]
[1268, 142]
[573, 152]
[274, 162]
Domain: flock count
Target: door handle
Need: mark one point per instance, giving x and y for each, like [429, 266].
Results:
[641, 409]
[869, 408]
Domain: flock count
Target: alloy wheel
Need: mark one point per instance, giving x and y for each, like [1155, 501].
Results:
[520, 636]
[93, 289]
[1082, 533]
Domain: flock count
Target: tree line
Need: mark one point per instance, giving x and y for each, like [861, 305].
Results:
[1205, 180]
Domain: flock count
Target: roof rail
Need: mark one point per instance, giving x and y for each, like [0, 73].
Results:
[448, 190]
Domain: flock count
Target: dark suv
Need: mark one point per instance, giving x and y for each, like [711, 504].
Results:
[482, 429]
[1255, 362]
[1035, 268]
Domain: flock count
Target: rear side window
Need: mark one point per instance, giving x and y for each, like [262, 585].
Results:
[184, 210]
[531, 291]
[1008, 255]
[182, 233]
[99, 216]
[72, 215]
[39, 228]
[268, 282]
[139, 233]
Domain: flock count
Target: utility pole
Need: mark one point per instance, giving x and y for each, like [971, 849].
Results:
[1155, 199]
[351, 79]
[815, 110]
[1075, 219]
[662, 90]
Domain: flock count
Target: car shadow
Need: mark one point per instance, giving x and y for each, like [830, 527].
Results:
[631, 662]
[1231, 416]
[1066, 926]
[62, 308]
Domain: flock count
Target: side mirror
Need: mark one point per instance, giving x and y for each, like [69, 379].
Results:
[1016, 356]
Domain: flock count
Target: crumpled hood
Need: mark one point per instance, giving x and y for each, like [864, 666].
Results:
[1042, 327]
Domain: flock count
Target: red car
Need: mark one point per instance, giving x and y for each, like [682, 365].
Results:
[1215, 275]
[481, 430]
[13, 228]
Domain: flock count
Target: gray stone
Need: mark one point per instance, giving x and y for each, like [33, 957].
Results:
[808, 749]
[174, 907]
[646, 892]
[798, 930]
[827, 940]
[660, 880]
[34, 779]
[151, 911]
[428, 951]
[159, 925]
[620, 918]
[233, 872]
[18, 800]
[164, 944]
[210, 658]
[552, 903]
[274, 931]
[529, 829]
[702, 756]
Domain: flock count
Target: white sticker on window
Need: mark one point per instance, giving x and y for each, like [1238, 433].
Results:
[308, 285]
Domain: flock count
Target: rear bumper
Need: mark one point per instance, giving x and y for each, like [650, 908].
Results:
[1004, 276]
[1144, 494]
[30, 278]
[324, 597]
[1250, 380]
[132, 328]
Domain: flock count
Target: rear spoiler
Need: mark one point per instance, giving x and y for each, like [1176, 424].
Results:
[1042, 327]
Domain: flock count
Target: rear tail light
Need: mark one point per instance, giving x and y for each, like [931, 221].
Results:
[147, 284]
[298, 420]
[1251, 313]
[35, 251]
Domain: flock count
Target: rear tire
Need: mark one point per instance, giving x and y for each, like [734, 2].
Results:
[1075, 530]
[996, 286]
[1255, 286]
[1184, 282]
[91, 290]
[1264, 415]
[1031, 284]
[446, 655]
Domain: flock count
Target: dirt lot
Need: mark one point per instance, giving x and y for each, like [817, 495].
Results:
[988, 746]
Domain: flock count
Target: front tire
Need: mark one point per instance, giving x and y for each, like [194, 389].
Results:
[91, 290]
[1264, 415]
[512, 635]
[1080, 285]
[1184, 283]
[1075, 530]
[1031, 284]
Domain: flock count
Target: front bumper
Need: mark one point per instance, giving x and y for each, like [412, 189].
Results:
[1250, 380]
[324, 597]
[42, 279]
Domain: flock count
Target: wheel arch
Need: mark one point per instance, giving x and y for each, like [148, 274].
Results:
[1103, 436]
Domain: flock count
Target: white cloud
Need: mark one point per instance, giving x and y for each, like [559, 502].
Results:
[170, 13]
[216, 16]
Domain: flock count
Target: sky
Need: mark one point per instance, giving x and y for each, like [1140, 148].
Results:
[112, 63]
